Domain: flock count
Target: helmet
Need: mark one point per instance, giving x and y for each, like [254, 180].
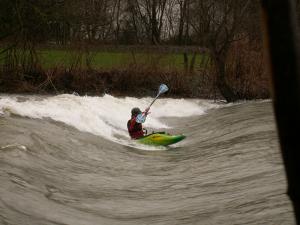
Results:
[135, 111]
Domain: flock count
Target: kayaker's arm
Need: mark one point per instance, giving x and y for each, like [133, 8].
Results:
[141, 118]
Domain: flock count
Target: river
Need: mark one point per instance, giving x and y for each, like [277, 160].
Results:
[68, 160]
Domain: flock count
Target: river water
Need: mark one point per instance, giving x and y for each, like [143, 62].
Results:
[68, 160]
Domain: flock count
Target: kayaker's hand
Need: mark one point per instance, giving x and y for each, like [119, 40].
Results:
[147, 111]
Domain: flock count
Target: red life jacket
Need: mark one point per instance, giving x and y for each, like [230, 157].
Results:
[135, 129]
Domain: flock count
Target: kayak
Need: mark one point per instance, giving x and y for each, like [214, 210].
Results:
[160, 138]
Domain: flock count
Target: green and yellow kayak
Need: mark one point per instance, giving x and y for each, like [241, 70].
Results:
[160, 138]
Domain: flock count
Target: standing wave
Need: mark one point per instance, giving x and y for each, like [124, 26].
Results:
[104, 116]
[228, 172]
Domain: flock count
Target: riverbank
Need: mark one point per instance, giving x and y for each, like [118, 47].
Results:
[127, 82]
[133, 81]
[130, 73]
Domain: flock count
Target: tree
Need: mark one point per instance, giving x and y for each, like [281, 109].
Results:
[148, 18]
[217, 24]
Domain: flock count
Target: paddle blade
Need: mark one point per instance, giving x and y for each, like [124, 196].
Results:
[141, 118]
[162, 89]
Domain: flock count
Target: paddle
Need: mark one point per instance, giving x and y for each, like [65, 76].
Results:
[142, 116]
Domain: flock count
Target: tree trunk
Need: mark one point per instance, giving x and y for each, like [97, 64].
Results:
[192, 63]
[223, 87]
[185, 62]
[181, 21]
[154, 24]
[118, 22]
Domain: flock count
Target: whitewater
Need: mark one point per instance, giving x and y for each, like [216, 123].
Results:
[68, 159]
[105, 116]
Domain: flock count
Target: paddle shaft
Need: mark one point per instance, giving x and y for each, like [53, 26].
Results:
[142, 117]
[154, 100]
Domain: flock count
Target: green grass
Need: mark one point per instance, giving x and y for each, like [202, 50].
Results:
[50, 58]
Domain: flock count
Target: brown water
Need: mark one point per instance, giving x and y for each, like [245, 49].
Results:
[228, 171]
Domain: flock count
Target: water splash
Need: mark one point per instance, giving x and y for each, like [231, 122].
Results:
[105, 116]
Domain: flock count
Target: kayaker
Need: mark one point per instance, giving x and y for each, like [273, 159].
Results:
[135, 129]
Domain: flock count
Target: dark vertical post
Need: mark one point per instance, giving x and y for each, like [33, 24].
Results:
[280, 40]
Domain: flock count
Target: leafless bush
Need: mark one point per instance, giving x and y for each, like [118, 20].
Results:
[247, 71]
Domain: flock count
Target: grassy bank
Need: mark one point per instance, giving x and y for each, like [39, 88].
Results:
[129, 73]
[106, 60]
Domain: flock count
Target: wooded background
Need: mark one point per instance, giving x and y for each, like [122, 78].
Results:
[227, 33]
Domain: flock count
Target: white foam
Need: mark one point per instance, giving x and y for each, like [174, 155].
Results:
[18, 146]
[105, 116]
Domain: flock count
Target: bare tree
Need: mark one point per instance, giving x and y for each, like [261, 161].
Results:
[216, 25]
[148, 17]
